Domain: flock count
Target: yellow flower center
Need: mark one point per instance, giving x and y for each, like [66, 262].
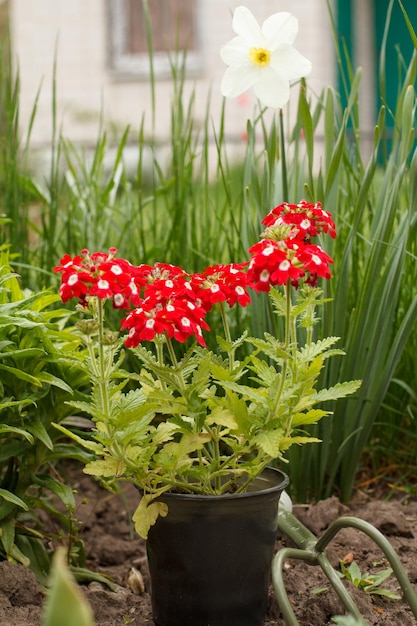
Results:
[260, 56]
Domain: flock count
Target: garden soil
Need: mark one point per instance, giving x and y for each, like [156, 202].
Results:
[114, 550]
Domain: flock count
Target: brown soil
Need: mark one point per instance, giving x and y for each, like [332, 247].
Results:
[113, 549]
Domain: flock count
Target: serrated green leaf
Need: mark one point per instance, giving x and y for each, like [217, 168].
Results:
[340, 390]
[269, 442]
[164, 432]
[314, 349]
[256, 395]
[222, 417]
[310, 417]
[287, 442]
[147, 513]
[107, 468]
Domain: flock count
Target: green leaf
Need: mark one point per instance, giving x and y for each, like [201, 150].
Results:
[310, 417]
[82, 575]
[7, 535]
[147, 513]
[13, 499]
[62, 490]
[34, 549]
[269, 441]
[15, 430]
[21, 375]
[90, 445]
[164, 432]
[222, 417]
[39, 431]
[287, 442]
[314, 349]
[66, 605]
[108, 468]
[50, 379]
[340, 390]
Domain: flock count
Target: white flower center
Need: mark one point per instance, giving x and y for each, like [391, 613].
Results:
[239, 290]
[284, 265]
[72, 279]
[116, 270]
[264, 276]
[118, 299]
[268, 250]
[102, 284]
[260, 56]
[185, 322]
[316, 259]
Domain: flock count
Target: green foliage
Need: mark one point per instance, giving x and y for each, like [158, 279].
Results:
[40, 367]
[369, 583]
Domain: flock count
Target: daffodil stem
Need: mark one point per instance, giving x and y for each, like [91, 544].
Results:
[285, 193]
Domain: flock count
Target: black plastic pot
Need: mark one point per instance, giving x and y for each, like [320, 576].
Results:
[210, 558]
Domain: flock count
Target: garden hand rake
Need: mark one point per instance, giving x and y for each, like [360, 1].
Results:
[311, 550]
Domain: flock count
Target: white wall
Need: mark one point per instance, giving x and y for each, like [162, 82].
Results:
[85, 86]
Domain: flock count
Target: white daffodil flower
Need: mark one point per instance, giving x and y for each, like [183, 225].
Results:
[263, 58]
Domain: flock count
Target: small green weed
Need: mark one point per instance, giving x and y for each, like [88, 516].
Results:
[368, 583]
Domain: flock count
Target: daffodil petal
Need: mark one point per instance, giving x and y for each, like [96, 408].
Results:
[287, 60]
[245, 24]
[273, 90]
[239, 78]
[236, 51]
[280, 28]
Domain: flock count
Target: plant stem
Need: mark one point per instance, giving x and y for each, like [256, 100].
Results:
[174, 362]
[275, 406]
[227, 335]
[102, 373]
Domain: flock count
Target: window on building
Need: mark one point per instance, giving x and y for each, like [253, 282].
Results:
[173, 28]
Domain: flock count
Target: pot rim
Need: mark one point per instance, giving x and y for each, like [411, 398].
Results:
[284, 482]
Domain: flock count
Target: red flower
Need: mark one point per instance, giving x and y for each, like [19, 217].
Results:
[176, 318]
[315, 261]
[99, 274]
[222, 283]
[309, 220]
[273, 263]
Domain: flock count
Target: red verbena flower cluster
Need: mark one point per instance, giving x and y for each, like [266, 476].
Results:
[285, 252]
[166, 300]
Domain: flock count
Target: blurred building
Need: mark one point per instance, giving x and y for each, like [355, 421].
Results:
[102, 61]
